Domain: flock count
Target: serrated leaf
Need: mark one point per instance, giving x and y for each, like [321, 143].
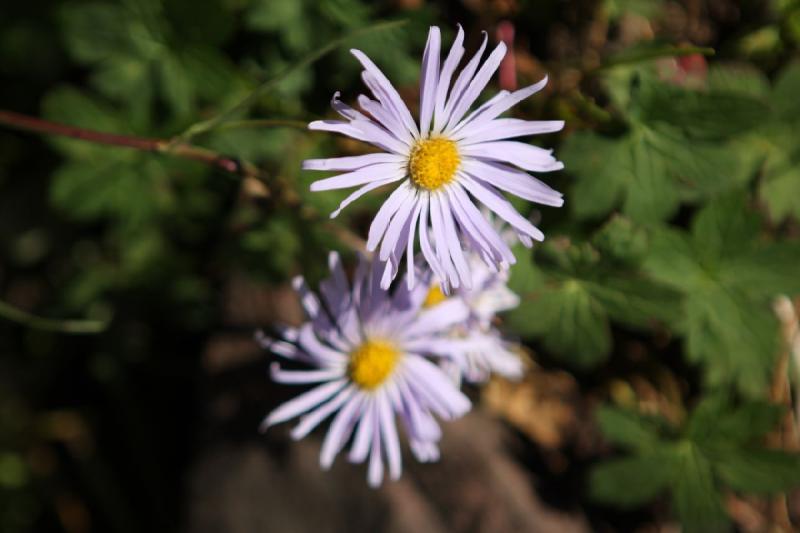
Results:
[697, 501]
[738, 78]
[602, 166]
[95, 31]
[570, 322]
[714, 421]
[629, 429]
[759, 471]
[707, 115]
[632, 481]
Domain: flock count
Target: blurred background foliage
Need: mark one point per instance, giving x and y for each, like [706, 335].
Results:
[653, 298]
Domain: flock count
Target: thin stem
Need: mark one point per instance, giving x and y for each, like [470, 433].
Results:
[263, 123]
[48, 324]
[163, 146]
[252, 98]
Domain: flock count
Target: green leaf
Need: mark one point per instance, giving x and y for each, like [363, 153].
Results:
[714, 421]
[629, 429]
[632, 481]
[570, 322]
[759, 471]
[784, 94]
[709, 115]
[96, 31]
[697, 500]
[602, 166]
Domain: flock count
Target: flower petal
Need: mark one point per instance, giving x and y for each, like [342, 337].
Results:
[300, 404]
[392, 94]
[449, 67]
[429, 80]
[376, 172]
[523, 155]
[495, 201]
[353, 162]
[478, 83]
[513, 181]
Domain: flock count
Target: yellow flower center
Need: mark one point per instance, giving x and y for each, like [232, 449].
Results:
[435, 296]
[372, 362]
[433, 163]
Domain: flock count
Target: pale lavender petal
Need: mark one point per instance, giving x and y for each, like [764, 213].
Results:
[358, 193]
[313, 419]
[310, 343]
[454, 243]
[441, 246]
[449, 67]
[389, 433]
[376, 172]
[386, 85]
[505, 128]
[419, 423]
[478, 83]
[353, 162]
[343, 109]
[386, 119]
[363, 438]
[304, 402]
[410, 267]
[499, 106]
[375, 468]
[463, 79]
[339, 432]
[424, 243]
[303, 376]
[429, 80]
[481, 224]
[395, 227]
[495, 201]
[514, 181]
[385, 214]
[522, 155]
[438, 387]
[380, 137]
[437, 319]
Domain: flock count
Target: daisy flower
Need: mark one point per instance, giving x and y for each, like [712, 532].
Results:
[446, 164]
[479, 349]
[365, 352]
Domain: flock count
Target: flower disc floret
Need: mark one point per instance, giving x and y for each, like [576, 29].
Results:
[433, 163]
[434, 297]
[372, 363]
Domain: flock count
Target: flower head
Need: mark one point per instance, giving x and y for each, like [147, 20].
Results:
[366, 352]
[445, 164]
[478, 349]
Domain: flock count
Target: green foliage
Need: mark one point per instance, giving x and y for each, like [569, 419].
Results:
[728, 276]
[716, 450]
[572, 291]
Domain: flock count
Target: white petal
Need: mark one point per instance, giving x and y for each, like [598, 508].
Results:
[441, 245]
[395, 228]
[437, 319]
[424, 242]
[375, 468]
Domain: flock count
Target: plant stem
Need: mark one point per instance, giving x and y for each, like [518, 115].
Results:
[48, 324]
[163, 146]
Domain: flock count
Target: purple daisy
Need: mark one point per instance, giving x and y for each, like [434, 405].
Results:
[446, 164]
[366, 351]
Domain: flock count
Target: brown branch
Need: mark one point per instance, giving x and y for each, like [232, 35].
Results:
[163, 146]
